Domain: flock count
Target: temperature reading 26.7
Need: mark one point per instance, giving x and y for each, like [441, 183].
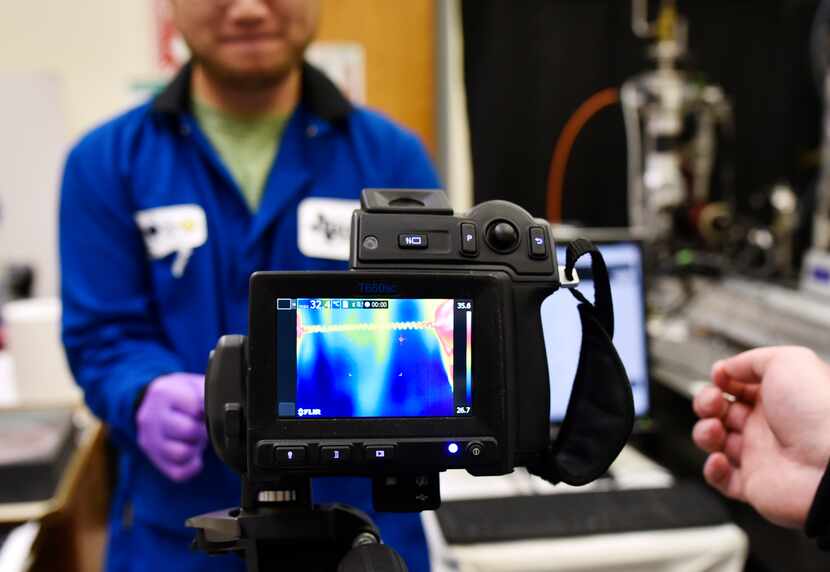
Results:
[462, 410]
[464, 306]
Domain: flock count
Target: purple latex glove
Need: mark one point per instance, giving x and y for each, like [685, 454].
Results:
[171, 425]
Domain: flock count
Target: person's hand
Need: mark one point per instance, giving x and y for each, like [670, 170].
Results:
[171, 427]
[766, 425]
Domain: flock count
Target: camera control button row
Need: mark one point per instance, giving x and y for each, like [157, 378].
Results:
[538, 242]
[290, 456]
[379, 453]
[336, 455]
[413, 240]
[469, 238]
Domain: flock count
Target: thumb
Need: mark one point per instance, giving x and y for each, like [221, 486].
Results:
[749, 366]
[197, 386]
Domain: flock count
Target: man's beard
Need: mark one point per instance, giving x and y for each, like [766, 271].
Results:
[261, 78]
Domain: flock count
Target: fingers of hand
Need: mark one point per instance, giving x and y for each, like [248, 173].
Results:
[732, 448]
[709, 435]
[181, 427]
[178, 452]
[723, 476]
[183, 472]
[197, 384]
[744, 392]
[736, 416]
[721, 425]
[710, 402]
[747, 367]
[186, 399]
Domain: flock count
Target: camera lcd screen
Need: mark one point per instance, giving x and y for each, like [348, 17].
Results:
[373, 357]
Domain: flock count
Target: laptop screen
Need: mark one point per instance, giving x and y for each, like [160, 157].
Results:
[563, 332]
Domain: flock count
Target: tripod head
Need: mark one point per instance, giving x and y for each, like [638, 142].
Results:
[278, 528]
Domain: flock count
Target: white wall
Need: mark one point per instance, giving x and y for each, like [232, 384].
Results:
[454, 159]
[96, 48]
[65, 65]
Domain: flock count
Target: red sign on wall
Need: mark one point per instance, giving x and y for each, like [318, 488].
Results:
[171, 51]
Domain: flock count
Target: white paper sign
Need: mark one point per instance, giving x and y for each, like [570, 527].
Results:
[345, 64]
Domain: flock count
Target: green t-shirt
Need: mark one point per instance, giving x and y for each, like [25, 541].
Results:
[248, 145]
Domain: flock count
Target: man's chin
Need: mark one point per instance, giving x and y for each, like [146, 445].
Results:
[249, 75]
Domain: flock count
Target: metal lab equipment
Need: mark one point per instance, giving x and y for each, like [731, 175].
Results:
[672, 124]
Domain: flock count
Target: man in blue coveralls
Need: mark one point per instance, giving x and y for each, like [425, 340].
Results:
[250, 160]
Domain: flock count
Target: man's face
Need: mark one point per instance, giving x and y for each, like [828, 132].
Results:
[253, 42]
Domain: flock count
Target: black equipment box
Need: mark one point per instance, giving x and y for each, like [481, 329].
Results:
[35, 447]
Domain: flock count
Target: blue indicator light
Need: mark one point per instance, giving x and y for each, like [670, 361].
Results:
[452, 448]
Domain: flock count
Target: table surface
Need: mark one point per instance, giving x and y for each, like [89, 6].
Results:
[713, 549]
[90, 435]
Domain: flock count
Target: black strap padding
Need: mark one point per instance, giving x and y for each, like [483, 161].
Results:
[600, 414]
[602, 284]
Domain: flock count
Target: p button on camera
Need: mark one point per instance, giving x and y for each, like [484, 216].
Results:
[469, 241]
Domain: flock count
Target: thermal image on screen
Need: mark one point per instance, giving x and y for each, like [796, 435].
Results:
[381, 358]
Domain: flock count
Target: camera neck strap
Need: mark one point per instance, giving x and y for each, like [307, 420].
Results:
[600, 414]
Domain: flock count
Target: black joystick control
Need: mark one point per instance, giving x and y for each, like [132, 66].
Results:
[502, 236]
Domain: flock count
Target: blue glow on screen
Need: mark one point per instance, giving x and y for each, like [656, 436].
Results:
[392, 361]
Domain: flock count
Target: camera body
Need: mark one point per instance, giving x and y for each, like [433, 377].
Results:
[427, 355]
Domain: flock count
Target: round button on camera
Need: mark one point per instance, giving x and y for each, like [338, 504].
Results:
[502, 236]
[475, 450]
[371, 242]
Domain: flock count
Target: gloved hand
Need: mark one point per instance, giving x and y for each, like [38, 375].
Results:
[171, 426]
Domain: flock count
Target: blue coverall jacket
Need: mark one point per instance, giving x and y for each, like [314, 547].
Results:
[157, 245]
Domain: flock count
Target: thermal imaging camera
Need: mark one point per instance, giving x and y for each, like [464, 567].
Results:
[427, 355]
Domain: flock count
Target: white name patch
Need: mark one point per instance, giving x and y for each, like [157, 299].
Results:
[178, 229]
[324, 227]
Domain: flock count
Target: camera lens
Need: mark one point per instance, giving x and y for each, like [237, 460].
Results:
[370, 243]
